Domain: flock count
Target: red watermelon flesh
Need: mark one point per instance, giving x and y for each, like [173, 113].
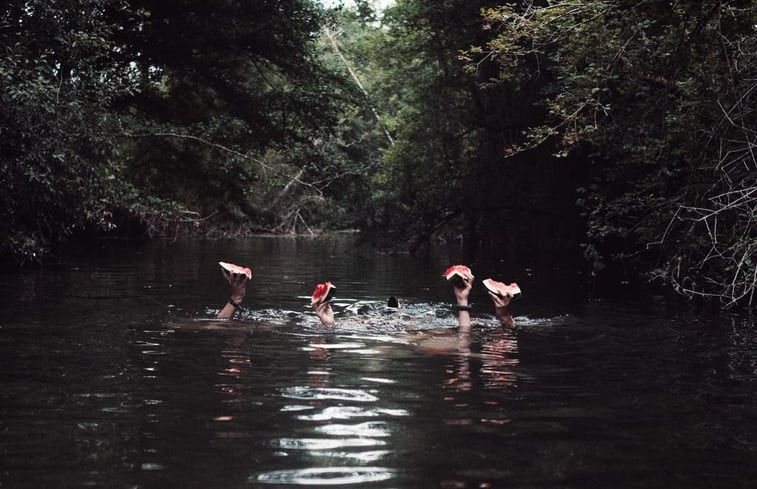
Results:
[230, 268]
[323, 293]
[501, 289]
[457, 273]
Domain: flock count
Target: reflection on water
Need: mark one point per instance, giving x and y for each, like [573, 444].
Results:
[319, 393]
[318, 444]
[325, 476]
[115, 375]
[347, 412]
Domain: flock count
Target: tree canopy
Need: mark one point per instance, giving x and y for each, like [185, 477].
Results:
[164, 112]
[619, 130]
[656, 98]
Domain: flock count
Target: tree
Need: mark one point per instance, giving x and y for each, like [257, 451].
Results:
[651, 96]
[165, 112]
[424, 101]
[57, 160]
[446, 175]
[233, 100]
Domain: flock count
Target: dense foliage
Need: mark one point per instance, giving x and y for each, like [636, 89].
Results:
[444, 176]
[232, 102]
[57, 82]
[625, 127]
[173, 114]
[657, 99]
[638, 112]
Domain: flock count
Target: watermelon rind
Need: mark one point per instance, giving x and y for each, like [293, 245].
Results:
[230, 268]
[323, 293]
[500, 289]
[456, 274]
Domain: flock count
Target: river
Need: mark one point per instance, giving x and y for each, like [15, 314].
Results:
[115, 375]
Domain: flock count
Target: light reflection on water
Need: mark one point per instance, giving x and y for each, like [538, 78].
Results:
[317, 444]
[346, 412]
[105, 384]
[325, 476]
[304, 392]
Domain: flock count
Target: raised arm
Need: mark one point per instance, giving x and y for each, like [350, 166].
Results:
[500, 308]
[462, 292]
[238, 282]
[321, 302]
[324, 312]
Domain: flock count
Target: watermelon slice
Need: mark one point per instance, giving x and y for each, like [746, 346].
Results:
[500, 289]
[323, 293]
[230, 269]
[456, 274]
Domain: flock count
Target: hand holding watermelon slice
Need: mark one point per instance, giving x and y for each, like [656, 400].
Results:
[323, 293]
[230, 269]
[458, 275]
[501, 295]
[237, 277]
[501, 290]
[462, 280]
[321, 302]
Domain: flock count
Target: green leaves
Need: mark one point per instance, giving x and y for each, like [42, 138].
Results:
[54, 117]
[638, 90]
[116, 104]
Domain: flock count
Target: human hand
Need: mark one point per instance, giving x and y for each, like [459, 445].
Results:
[463, 288]
[324, 312]
[238, 282]
[500, 307]
[500, 301]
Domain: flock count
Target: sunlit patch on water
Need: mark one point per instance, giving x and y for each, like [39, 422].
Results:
[375, 320]
[295, 408]
[369, 429]
[275, 316]
[316, 444]
[325, 476]
[378, 380]
[358, 316]
[366, 456]
[317, 393]
[364, 351]
[333, 346]
[349, 412]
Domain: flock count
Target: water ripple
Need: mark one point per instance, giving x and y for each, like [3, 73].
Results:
[315, 444]
[333, 346]
[305, 392]
[349, 412]
[370, 429]
[326, 476]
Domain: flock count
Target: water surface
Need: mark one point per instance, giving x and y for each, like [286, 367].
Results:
[114, 375]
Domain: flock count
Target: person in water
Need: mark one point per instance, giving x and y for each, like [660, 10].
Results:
[238, 282]
[325, 313]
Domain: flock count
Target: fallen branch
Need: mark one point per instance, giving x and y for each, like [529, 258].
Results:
[357, 81]
[227, 150]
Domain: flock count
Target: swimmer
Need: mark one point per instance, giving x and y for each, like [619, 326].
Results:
[462, 291]
[238, 282]
[500, 308]
[325, 313]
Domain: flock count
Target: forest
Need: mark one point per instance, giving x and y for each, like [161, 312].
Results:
[621, 132]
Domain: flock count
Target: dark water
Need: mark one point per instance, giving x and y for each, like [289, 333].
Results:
[113, 376]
